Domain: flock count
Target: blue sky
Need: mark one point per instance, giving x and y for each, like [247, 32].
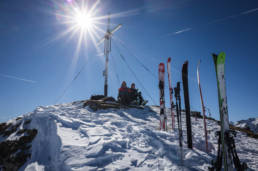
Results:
[37, 65]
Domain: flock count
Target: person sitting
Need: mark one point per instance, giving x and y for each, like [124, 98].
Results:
[136, 96]
[133, 93]
[123, 94]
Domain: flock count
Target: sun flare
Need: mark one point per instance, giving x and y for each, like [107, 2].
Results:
[83, 20]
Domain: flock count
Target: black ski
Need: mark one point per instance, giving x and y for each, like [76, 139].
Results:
[187, 104]
[179, 119]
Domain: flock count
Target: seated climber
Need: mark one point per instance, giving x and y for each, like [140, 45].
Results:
[123, 94]
[136, 96]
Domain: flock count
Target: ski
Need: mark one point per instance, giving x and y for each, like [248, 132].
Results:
[187, 104]
[170, 92]
[219, 61]
[226, 155]
[203, 108]
[163, 117]
[179, 119]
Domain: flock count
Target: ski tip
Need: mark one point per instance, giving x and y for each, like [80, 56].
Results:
[221, 58]
[161, 67]
[214, 55]
[169, 59]
[185, 66]
[222, 54]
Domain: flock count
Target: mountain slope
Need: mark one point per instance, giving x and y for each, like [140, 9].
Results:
[251, 124]
[70, 137]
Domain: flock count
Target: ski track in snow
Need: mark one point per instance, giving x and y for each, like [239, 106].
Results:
[74, 138]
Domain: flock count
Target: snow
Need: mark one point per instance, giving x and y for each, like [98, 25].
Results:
[71, 137]
[34, 167]
[251, 123]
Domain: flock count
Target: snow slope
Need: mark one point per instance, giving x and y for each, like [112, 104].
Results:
[251, 123]
[71, 137]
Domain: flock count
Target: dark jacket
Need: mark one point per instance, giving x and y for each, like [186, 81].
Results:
[123, 92]
[123, 96]
[133, 93]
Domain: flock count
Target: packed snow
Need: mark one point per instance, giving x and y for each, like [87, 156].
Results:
[71, 137]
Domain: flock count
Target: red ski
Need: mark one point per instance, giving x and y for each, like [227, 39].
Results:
[163, 117]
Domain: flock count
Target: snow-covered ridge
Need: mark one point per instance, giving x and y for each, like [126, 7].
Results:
[251, 123]
[70, 137]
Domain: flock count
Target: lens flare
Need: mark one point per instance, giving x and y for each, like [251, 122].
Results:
[83, 20]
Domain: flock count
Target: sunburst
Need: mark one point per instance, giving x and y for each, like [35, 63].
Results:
[81, 20]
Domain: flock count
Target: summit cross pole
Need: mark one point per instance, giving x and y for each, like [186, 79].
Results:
[107, 49]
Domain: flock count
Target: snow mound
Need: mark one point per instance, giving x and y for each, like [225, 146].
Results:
[251, 124]
[71, 137]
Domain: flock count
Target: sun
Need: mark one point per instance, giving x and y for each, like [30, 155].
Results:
[83, 20]
[81, 23]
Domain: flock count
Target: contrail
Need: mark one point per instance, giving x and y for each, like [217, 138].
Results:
[217, 20]
[235, 16]
[17, 78]
[249, 11]
[182, 31]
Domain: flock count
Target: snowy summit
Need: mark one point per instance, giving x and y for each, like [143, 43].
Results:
[72, 137]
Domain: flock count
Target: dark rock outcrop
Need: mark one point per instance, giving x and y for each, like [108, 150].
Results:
[14, 153]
